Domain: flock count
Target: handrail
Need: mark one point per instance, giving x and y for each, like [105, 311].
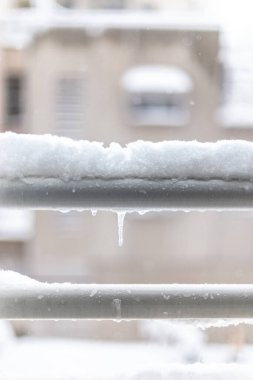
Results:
[65, 301]
[126, 194]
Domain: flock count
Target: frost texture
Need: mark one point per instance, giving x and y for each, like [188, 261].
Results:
[57, 157]
[206, 323]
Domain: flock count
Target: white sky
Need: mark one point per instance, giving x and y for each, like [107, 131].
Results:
[234, 14]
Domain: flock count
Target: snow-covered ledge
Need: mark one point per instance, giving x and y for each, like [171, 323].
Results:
[49, 172]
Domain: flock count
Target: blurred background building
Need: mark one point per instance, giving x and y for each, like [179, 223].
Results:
[122, 71]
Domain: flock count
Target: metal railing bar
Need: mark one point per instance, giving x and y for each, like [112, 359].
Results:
[64, 301]
[128, 194]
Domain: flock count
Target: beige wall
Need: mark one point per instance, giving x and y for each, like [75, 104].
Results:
[13, 255]
[101, 63]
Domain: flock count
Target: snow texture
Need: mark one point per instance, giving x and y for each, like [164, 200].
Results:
[10, 280]
[7, 336]
[13, 280]
[16, 225]
[19, 27]
[188, 338]
[161, 79]
[49, 156]
[72, 360]
[206, 323]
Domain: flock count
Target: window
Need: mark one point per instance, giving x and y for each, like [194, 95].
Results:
[14, 108]
[158, 95]
[69, 110]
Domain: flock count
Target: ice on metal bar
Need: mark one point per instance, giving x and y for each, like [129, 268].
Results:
[121, 218]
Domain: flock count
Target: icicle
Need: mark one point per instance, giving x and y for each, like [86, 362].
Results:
[121, 216]
[94, 212]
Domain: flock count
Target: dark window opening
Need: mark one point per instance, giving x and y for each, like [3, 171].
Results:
[14, 107]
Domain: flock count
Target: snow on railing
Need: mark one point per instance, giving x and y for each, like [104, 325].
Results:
[46, 172]
[49, 172]
[24, 298]
[49, 156]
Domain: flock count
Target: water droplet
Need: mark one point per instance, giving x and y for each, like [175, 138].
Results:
[117, 305]
[93, 292]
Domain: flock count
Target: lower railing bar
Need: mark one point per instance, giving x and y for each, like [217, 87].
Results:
[64, 301]
[128, 193]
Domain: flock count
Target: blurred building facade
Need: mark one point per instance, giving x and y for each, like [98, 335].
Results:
[121, 77]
